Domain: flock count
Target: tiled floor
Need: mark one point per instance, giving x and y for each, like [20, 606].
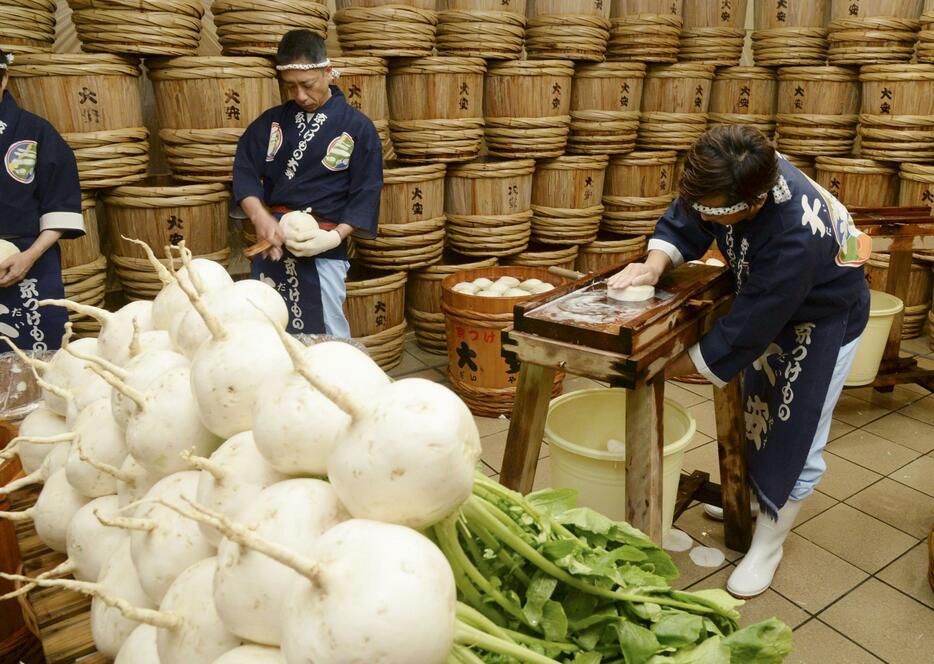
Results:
[853, 581]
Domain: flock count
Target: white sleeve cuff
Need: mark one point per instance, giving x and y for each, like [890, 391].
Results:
[61, 221]
[669, 249]
[694, 352]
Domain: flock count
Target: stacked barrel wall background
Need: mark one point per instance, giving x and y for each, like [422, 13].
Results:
[518, 132]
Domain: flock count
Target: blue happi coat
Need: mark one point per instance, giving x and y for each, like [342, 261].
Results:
[292, 160]
[39, 190]
[801, 295]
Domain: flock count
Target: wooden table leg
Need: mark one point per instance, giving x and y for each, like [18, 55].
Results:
[526, 426]
[896, 283]
[644, 444]
[731, 446]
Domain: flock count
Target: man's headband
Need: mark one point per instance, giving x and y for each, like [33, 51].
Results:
[723, 211]
[304, 66]
[6, 61]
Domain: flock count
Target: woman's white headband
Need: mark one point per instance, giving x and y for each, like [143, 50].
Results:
[723, 211]
[304, 66]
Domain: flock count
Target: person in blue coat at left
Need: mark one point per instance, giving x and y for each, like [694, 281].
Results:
[40, 202]
[317, 154]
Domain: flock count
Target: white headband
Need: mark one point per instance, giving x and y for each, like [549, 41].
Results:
[9, 61]
[723, 211]
[304, 66]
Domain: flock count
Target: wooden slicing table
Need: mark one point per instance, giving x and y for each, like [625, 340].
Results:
[629, 351]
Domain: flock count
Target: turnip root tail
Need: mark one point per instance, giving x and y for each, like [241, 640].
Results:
[211, 322]
[64, 569]
[35, 477]
[100, 315]
[130, 393]
[294, 348]
[160, 619]
[97, 361]
[164, 275]
[10, 450]
[127, 523]
[246, 537]
[205, 464]
[16, 517]
[105, 468]
[60, 392]
[32, 362]
[185, 254]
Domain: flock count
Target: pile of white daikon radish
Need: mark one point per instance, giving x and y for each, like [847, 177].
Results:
[228, 495]
[505, 286]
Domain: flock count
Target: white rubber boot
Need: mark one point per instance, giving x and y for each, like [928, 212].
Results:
[716, 513]
[753, 575]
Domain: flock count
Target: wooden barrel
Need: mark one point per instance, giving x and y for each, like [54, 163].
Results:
[744, 95]
[896, 122]
[94, 102]
[858, 182]
[395, 29]
[644, 30]
[873, 31]
[803, 163]
[638, 189]
[154, 27]
[160, 215]
[223, 93]
[488, 205]
[566, 199]
[545, 255]
[363, 82]
[27, 27]
[526, 108]
[477, 369]
[926, 37]
[567, 29]
[447, 123]
[605, 103]
[675, 99]
[608, 250]
[918, 297]
[817, 110]
[255, 27]
[790, 33]
[916, 186]
[488, 30]
[714, 32]
[375, 309]
[423, 299]
[84, 269]
[706, 14]
[87, 248]
[411, 219]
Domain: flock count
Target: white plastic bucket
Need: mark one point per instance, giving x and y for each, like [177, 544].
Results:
[577, 429]
[882, 311]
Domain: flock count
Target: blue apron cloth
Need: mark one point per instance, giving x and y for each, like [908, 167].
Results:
[28, 325]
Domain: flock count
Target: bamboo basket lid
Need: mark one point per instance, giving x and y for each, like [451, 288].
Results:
[682, 70]
[399, 174]
[394, 13]
[532, 68]
[195, 67]
[493, 169]
[746, 73]
[612, 70]
[360, 65]
[900, 72]
[574, 163]
[74, 64]
[189, 7]
[645, 158]
[480, 16]
[166, 196]
[827, 73]
[37, 5]
[854, 165]
[440, 64]
[917, 172]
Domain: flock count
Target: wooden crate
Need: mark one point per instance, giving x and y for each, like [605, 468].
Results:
[62, 618]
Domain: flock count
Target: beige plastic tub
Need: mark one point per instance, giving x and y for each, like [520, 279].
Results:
[882, 311]
[578, 428]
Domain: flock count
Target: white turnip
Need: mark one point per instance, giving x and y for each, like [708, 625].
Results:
[54, 462]
[40, 423]
[113, 342]
[97, 436]
[139, 647]
[232, 478]
[251, 655]
[54, 509]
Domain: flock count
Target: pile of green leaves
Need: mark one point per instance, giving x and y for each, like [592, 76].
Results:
[573, 586]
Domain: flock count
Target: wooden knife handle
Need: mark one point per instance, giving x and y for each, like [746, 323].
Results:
[566, 274]
[257, 248]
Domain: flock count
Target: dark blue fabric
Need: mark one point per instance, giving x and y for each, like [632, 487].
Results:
[786, 273]
[26, 195]
[297, 281]
[291, 159]
[30, 326]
